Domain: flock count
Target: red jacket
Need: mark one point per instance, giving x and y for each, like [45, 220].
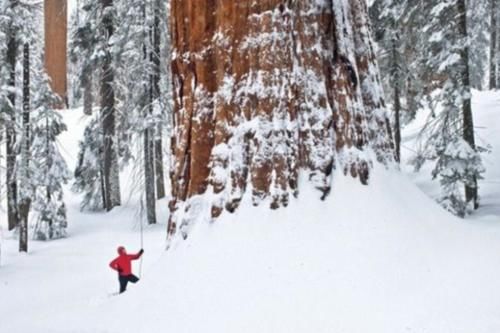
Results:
[123, 264]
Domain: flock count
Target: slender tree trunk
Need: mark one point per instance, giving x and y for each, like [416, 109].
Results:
[56, 29]
[155, 86]
[25, 202]
[263, 91]
[87, 94]
[10, 132]
[493, 45]
[110, 156]
[397, 101]
[149, 153]
[471, 191]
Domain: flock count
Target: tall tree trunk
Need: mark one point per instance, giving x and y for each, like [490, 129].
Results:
[471, 191]
[87, 94]
[263, 91]
[493, 45]
[25, 202]
[397, 101]
[110, 156]
[149, 152]
[155, 86]
[56, 30]
[10, 131]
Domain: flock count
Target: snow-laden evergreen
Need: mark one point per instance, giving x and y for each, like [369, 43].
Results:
[138, 108]
[50, 171]
[430, 60]
[37, 164]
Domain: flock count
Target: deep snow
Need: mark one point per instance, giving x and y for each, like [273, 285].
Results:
[383, 258]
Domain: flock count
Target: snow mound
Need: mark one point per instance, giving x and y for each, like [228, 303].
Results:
[382, 258]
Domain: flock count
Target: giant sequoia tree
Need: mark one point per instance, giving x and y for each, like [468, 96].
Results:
[264, 90]
[56, 14]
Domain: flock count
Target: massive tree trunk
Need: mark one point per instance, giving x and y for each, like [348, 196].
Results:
[56, 30]
[111, 172]
[10, 132]
[265, 90]
[493, 44]
[471, 190]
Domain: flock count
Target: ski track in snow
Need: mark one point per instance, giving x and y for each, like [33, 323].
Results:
[383, 258]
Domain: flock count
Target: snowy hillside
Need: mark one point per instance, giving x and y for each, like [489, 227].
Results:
[383, 258]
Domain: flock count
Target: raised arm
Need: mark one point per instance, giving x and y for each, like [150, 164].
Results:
[136, 256]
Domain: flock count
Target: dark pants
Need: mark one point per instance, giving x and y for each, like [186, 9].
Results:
[125, 279]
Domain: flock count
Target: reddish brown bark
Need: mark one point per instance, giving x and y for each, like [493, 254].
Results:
[262, 90]
[55, 45]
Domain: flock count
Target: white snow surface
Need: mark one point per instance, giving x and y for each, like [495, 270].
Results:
[381, 258]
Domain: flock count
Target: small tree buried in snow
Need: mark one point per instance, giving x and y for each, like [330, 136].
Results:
[457, 165]
[50, 171]
[263, 91]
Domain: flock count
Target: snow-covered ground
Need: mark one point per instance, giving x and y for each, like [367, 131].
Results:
[381, 259]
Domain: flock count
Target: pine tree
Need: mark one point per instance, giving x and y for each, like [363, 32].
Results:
[24, 22]
[398, 38]
[50, 171]
[88, 176]
[85, 40]
[139, 109]
[452, 134]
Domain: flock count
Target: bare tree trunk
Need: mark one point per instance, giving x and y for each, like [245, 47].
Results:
[25, 202]
[155, 86]
[56, 30]
[471, 191]
[10, 132]
[110, 163]
[493, 45]
[263, 91]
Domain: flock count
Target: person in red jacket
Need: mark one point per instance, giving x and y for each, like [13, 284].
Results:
[123, 264]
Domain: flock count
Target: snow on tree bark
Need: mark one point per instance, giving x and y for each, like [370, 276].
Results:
[26, 192]
[10, 131]
[370, 83]
[493, 44]
[56, 30]
[265, 90]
